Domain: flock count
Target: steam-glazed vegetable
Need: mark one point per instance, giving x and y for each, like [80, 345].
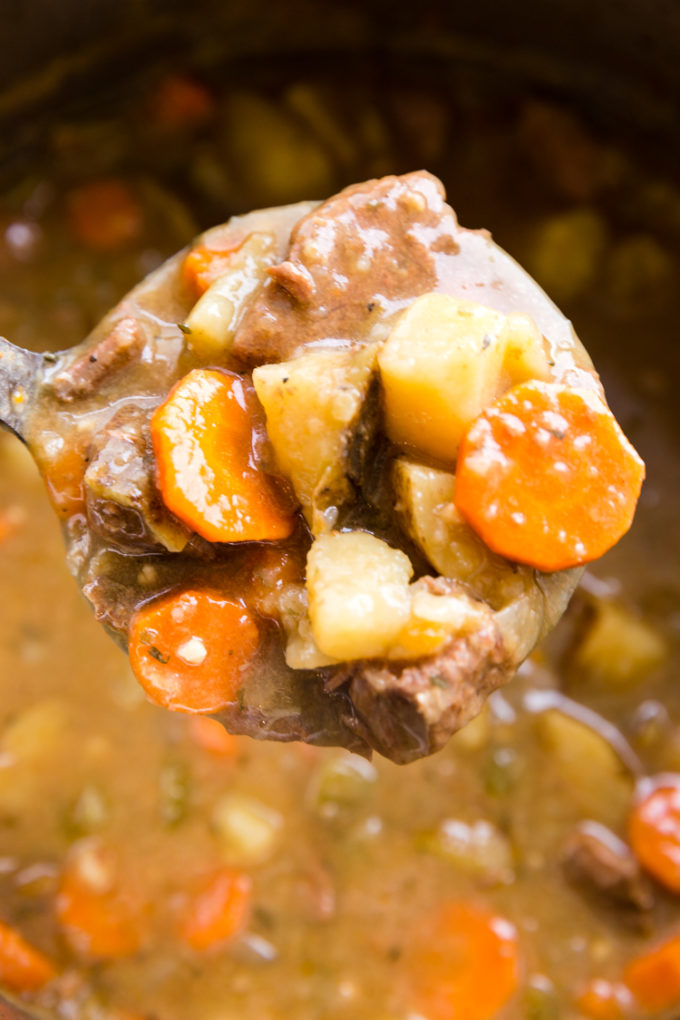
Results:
[324, 394]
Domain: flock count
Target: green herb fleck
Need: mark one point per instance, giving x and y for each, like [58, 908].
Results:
[184, 328]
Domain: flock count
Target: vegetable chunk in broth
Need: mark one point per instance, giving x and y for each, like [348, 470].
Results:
[154, 866]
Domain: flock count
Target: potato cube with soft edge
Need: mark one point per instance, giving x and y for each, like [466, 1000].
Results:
[311, 404]
[359, 598]
[444, 361]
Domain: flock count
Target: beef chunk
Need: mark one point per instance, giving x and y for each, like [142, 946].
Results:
[93, 366]
[123, 503]
[354, 260]
[604, 867]
[410, 709]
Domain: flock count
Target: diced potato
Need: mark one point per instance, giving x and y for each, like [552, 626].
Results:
[361, 605]
[444, 361]
[618, 649]
[37, 733]
[567, 252]
[302, 651]
[312, 404]
[342, 783]
[478, 848]
[213, 320]
[29, 744]
[310, 104]
[638, 270]
[592, 774]
[475, 734]
[247, 829]
[433, 620]
[359, 598]
[425, 502]
[89, 812]
[276, 157]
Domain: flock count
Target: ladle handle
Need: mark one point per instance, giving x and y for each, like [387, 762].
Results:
[19, 377]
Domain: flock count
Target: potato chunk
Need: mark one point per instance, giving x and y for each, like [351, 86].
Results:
[359, 598]
[425, 505]
[617, 649]
[444, 361]
[312, 403]
[212, 321]
[592, 774]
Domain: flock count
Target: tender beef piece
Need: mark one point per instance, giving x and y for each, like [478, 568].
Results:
[123, 503]
[604, 867]
[92, 367]
[353, 260]
[312, 715]
[410, 709]
[113, 604]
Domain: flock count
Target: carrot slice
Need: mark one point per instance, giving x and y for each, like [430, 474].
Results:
[654, 833]
[189, 650]
[545, 476]
[104, 214]
[604, 1000]
[465, 965]
[204, 443]
[180, 101]
[654, 977]
[23, 968]
[210, 735]
[102, 917]
[219, 911]
[202, 265]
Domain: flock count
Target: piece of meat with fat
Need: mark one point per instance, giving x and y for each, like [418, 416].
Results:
[604, 867]
[358, 258]
[410, 709]
[88, 372]
[123, 503]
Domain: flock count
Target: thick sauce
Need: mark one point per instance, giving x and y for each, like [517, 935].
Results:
[348, 863]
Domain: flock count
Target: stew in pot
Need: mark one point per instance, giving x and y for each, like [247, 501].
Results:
[154, 866]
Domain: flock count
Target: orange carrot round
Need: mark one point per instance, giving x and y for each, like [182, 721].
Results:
[23, 968]
[465, 964]
[190, 649]
[180, 101]
[654, 833]
[219, 911]
[203, 265]
[654, 977]
[101, 916]
[104, 214]
[211, 736]
[604, 1000]
[545, 476]
[203, 439]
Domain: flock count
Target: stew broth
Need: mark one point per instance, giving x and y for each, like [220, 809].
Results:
[347, 864]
